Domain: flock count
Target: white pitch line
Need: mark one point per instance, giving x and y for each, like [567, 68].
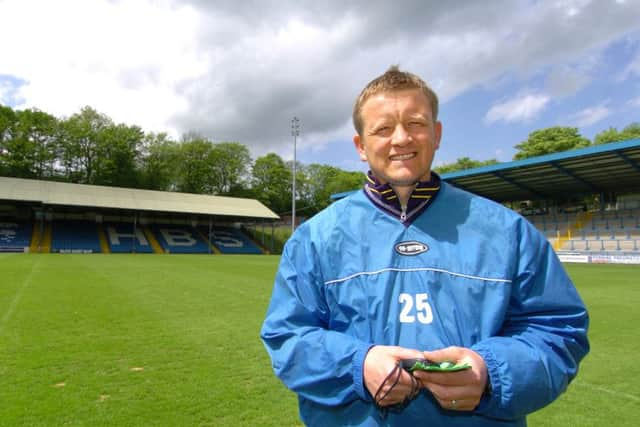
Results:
[617, 394]
[17, 296]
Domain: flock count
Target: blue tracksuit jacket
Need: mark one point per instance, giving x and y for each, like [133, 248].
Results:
[467, 272]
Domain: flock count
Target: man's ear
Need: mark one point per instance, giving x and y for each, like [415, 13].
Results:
[438, 135]
[357, 141]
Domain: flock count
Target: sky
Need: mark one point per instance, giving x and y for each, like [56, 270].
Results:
[241, 70]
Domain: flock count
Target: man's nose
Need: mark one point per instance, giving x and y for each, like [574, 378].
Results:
[400, 136]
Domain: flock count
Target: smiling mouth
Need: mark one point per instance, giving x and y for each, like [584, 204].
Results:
[403, 156]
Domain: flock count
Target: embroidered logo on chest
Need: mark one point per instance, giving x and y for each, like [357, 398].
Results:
[411, 248]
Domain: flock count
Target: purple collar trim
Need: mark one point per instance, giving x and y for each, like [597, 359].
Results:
[383, 196]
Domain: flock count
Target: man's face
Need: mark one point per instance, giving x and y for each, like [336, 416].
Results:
[399, 136]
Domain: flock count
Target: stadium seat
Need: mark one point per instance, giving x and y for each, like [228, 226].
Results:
[15, 236]
[180, 239]
[74, 237]
[124, 238]
[232, 241]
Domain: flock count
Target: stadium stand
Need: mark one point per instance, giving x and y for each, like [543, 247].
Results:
[230, 240]
[125, 237]
[74, 237]
[178, 239]
[15, 236]
[610, 231]
[119, 220]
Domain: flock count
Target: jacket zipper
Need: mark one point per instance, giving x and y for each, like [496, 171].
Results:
[401, 214]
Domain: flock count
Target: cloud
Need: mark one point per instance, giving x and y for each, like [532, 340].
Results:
[123, 58]
[590, 115]
[566, 80]
[519, 109]
[635, 102]
[239, 71]
[633, 67]
[316, 59]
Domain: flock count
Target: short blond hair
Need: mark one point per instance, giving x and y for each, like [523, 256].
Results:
[393, 79]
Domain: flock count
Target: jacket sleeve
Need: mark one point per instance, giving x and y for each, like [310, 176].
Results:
[544, 336]
[319, 364]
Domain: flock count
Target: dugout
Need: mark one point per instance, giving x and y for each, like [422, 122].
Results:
[39, 203]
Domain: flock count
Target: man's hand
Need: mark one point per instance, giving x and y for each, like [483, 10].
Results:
[378, 364]
[459, 391]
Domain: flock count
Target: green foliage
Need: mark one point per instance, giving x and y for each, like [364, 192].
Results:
[272, 181]
[314, 190]
[7, 129]
[209, 168]
[194, 171]
[607, 136]
[230, 163]
[345, 181]
[632, 131]
[28, 143]
[83, 144]
[321, 181]
[271, 239]
[117, 153]
[157, 162]
[7, 122]
[40, 131]
[463, 163]
[550, 140]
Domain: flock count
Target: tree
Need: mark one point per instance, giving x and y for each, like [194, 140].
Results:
[321, 181]
[194, 171]
[313, 187]
[7, 120]
[158, 162]
[344, 181]
[42, 131]
[607, 136]
[632, 131]
[463, 163]
[29, 144]
[271, 181]
[7, 124]
[550, 140]
[230, 163]
[79, 147]
[117, 151]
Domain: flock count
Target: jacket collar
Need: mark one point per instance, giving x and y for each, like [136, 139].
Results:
[383, 196]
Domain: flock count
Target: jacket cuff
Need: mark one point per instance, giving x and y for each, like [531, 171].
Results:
[491, 396]
[358, 372]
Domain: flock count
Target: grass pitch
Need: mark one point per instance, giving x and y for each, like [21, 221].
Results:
[137, 340]
[170, 340]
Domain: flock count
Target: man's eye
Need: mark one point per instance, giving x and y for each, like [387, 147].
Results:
[416, 125]
[383, 129]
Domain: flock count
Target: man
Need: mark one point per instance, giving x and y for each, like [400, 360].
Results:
[412, 267]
